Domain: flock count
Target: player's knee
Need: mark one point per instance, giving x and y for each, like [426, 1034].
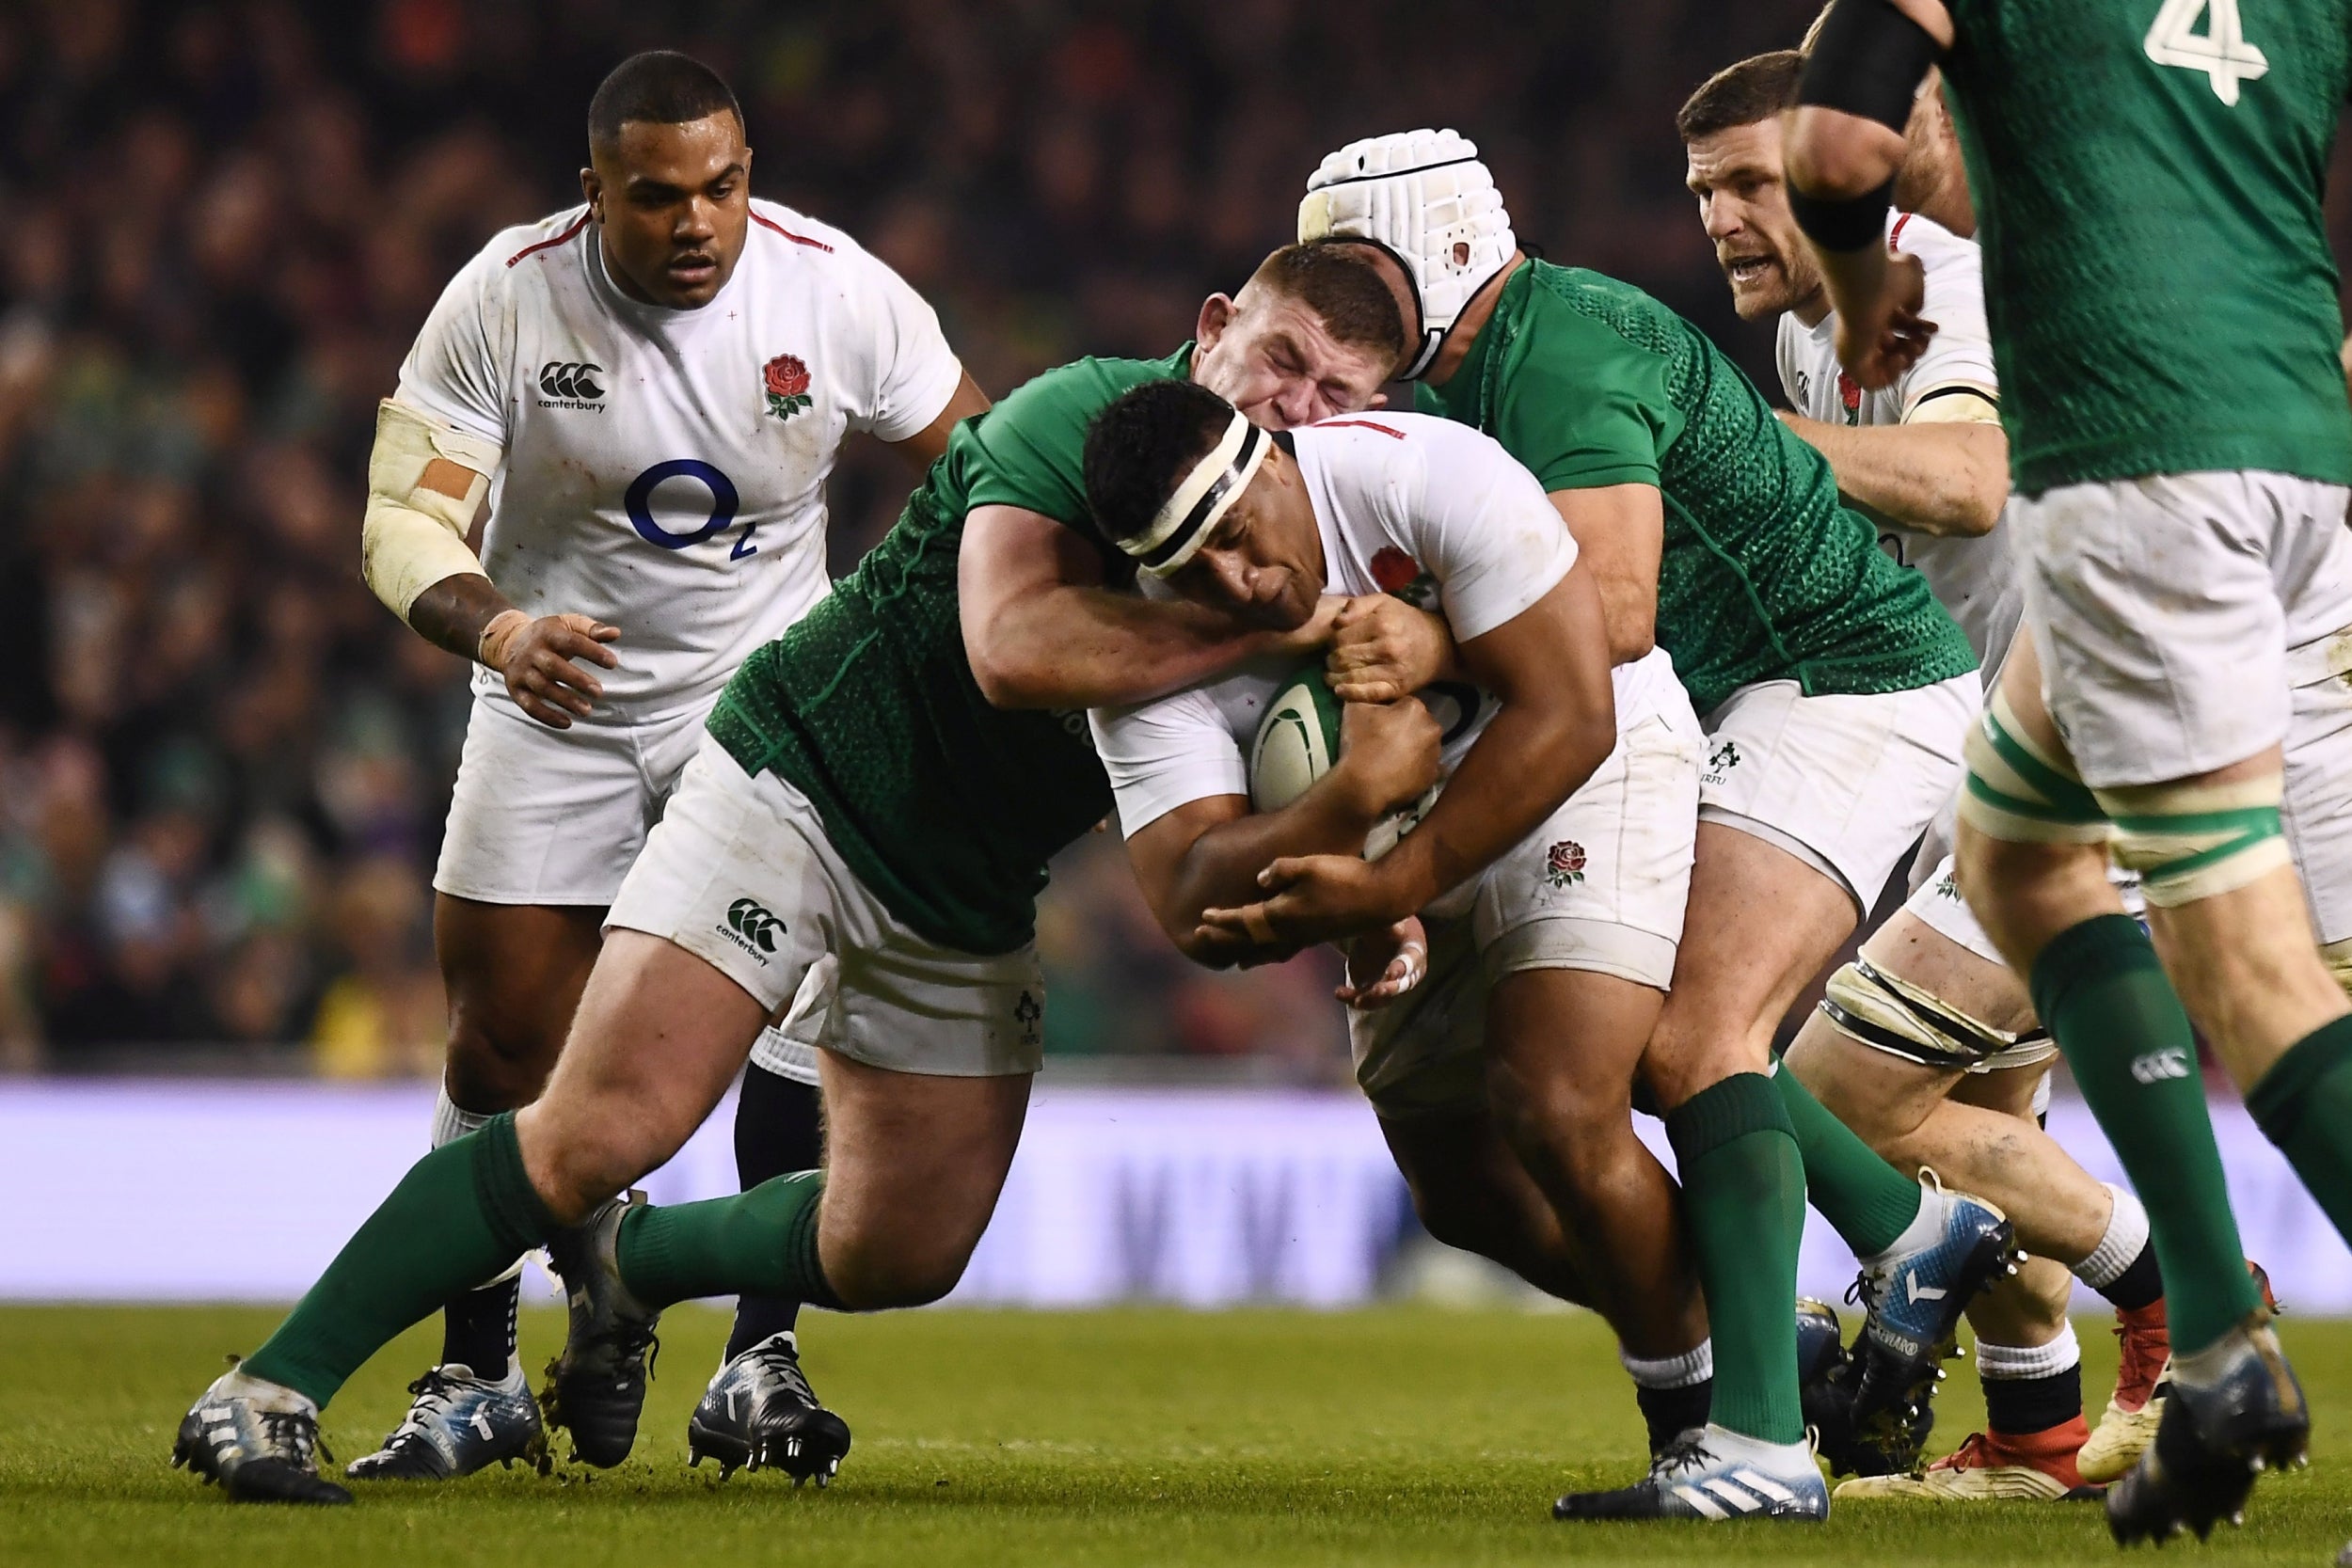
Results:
[1450, 1216]
[497, 1065]
[869, 1273]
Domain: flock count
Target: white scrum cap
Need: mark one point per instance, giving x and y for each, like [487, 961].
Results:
[1424, 196]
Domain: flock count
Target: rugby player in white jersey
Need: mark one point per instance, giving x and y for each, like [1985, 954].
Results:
[1552, 935]
[651, 388]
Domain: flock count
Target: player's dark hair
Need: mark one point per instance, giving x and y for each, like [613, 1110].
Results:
[1139, 447]
[659, 87]
[1758, 89]
[1339, 279]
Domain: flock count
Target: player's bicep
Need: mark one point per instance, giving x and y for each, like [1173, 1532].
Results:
[1008, 558]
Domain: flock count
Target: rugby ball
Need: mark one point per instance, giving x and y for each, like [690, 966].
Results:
[1298, 741]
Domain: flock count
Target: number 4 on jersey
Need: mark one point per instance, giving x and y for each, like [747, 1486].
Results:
[2220, 51]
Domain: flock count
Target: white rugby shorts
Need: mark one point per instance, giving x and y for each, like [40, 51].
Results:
[1600, 885]
[554, 817]
[2167, 611]
[1845, 783]
[739, 873]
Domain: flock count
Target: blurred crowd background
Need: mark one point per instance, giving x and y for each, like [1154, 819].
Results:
[223, 765]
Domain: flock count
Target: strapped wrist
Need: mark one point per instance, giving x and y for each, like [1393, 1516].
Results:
[498, 634]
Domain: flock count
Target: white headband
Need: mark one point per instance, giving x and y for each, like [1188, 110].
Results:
[1207, 493]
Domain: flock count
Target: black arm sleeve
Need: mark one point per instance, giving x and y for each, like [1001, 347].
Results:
[1869, 61]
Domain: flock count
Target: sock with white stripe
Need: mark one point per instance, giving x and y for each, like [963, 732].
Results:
[2122, 1267]
[477, 1328]
[2030, 1389]
[1675, 1392]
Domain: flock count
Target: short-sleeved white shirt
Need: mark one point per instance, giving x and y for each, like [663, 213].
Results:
[1974, 580]
[665, 469]
[1426, 509]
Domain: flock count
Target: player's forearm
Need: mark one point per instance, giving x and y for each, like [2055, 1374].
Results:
[1528, 760]
[1068, 647]
[1947, 480]
[1220, 869]
[453, 613]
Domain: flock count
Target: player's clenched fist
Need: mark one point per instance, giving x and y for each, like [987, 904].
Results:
[1388, 752]
[1382, 648]
[541, 660]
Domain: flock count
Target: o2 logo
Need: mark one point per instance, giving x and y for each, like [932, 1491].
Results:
[724, 501]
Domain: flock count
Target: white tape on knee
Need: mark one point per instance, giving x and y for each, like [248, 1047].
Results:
[1886, 1013]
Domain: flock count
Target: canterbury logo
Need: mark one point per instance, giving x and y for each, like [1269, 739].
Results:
[755, 923]
[2158, 1066]
[572, 380]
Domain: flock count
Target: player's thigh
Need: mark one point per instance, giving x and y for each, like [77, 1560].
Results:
[1762, 922]
[727, 914]
[660, 1036]
[1845, 781]
[1576, 927]
[2024, 878]
[2316, 811]
[2156, 608]
[914, 1164]
[514, 975]
[543, 816]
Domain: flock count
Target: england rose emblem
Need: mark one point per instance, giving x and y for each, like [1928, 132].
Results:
[787, 381]
[1565, 863]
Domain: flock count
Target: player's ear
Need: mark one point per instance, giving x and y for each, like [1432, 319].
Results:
[593, 188]
[1217, 314]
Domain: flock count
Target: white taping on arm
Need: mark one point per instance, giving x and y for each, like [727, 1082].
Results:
[1953, 405]
[414, 537]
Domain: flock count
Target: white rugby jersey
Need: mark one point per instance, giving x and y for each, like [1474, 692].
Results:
[1424, 508]
[665, 469]
[1975, 579]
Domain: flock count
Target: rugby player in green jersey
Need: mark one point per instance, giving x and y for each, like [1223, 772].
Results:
[2164, 316]
[1835, 691]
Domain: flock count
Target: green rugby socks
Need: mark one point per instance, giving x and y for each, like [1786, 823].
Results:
[1744, 1199]
[762, 1242]
[2103, 997]
[2304, 1106]
[461, 1214]
[1868, 1202]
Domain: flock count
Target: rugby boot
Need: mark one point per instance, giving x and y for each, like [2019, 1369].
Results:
[760, 1412]
[259, 1441]
[2235, 1410]
[1914, 1299]
[596, 1386]
[1989, 1466]
[459, 1423]
[2143, 1379]
[1715, 1475]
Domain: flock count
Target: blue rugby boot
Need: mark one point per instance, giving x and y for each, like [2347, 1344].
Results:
[1915, 1293]
[459, 1423]
[1712, 1474]
[2235, 1410]
[597, 1387]
[760, 1413]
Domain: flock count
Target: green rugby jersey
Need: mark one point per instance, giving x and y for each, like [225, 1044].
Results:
[1590, 382]
[2156, 270]
[946, 807]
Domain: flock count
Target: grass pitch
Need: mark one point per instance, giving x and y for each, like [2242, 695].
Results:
[1386, 1436]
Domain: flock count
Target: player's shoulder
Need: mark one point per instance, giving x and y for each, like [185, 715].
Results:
[804, 238]
[1390, 449]
[526, 249]
[1088, 385]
